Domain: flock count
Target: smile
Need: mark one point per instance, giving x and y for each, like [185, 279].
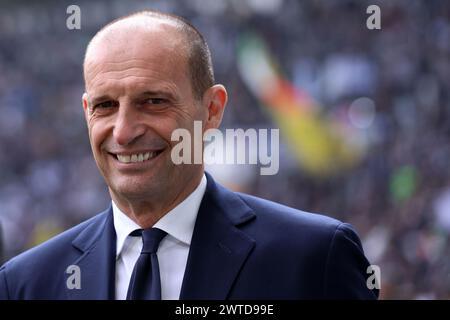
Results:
[137, 157]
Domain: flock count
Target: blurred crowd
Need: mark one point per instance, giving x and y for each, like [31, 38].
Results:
[397, 196]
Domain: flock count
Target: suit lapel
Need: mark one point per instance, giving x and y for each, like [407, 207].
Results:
[97, 244]
[218, 248]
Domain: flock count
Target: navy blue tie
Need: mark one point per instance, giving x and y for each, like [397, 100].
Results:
[145, 283]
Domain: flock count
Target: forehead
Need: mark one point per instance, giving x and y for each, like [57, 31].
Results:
[142, 52]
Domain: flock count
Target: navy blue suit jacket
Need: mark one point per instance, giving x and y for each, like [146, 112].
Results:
[243, 247]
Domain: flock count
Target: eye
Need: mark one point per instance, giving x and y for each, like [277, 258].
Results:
[104, 108]
[155, 101]
[105, 105]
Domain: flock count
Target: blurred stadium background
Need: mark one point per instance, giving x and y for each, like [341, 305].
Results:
[364, 117]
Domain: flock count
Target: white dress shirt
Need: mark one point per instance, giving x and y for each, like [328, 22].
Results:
[172, 252]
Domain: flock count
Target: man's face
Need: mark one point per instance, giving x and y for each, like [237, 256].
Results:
[138, 91]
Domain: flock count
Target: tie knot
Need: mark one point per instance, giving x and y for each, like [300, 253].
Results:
[151, 238]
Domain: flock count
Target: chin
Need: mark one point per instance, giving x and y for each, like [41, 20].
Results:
[136, 189]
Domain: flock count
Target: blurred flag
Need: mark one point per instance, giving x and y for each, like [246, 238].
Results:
[322, 145]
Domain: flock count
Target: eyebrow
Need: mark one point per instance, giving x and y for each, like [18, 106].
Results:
[106, 97]
[166, 94]
[96, 100]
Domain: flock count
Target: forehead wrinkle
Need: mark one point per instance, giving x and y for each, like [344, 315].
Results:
[124, 74]
[132, 87]
[122, 69]
[145, 63]
[158, 62]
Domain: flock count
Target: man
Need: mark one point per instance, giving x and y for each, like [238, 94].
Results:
[145, 76]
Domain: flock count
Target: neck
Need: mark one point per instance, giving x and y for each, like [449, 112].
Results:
[146, 212]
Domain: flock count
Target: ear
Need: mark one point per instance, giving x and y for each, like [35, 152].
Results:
[215, 99]
[85, 103]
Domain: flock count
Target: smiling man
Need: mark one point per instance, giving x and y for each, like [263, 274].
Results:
[171, 232]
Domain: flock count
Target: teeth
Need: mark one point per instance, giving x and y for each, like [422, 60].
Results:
[124, 159]
[138, 157]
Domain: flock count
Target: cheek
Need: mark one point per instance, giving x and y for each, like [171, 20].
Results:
[97, 134]
[164, 126]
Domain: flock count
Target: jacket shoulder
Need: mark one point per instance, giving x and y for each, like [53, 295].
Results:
[57, 243]
[48, 258]
[327, 249]
[271, 212]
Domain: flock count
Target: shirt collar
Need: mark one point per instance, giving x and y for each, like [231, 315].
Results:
[178, 222]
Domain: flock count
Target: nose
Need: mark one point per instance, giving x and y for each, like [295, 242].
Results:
[128, 126]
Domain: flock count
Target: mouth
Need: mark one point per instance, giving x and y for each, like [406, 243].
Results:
[136, 157]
